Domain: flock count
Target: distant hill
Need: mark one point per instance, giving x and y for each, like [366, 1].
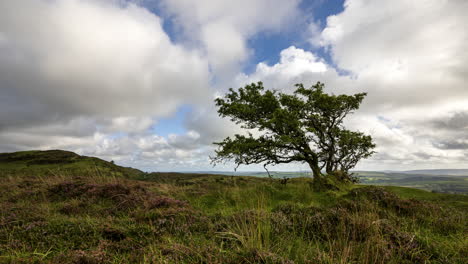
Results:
[451, 172]
[428, 180]
[39, 163]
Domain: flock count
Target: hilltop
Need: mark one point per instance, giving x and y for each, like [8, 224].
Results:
[48, 162]
[60, 207]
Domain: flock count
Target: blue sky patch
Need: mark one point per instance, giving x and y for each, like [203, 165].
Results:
[173, 124]
[267, 46]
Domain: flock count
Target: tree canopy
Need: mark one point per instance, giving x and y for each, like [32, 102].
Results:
[305, 126]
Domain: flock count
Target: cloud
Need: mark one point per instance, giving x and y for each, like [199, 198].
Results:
[455, 121]
[94, 59]
[126, 124]
[405, 52]
[152, 152]
[453, 144]
[95, 76]
[73, 73]
[451, 131]
[293, 62]
[295, 66]
[408, 57]
[222, 28]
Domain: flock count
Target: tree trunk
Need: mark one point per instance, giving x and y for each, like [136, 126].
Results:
[316, 171]
[320, 183]
[313, 164]
[331, 152]
[330, 162]
[329, 167]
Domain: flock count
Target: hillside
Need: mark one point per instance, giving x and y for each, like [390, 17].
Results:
[60, 207]
[61, 162]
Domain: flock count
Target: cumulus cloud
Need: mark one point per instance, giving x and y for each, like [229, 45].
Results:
[455, 121]
[71, 69]
[408, 57]
[95, 76]
[152, 152]
[223, 27]
[91, 58]
[402, 48]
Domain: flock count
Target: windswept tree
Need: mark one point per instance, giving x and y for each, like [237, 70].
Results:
[306, 127]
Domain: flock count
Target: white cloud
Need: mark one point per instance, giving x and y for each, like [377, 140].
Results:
[297, 66]
[402, 48]
[74, 72]
[153, 152]
[94, 76]
[294, 62]
[410, 57]
[91, 58]
[129, 124]
[223, 27]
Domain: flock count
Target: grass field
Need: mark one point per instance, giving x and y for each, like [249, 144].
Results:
[58, 207]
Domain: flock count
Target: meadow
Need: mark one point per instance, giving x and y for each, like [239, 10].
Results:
[59, 207]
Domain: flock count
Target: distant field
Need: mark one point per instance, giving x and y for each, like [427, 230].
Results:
[436, 183]
[431, 180]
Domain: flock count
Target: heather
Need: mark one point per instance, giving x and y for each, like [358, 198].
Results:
[96, 213]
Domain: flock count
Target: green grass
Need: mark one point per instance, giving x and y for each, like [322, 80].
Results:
[59, 162]
[52, 213]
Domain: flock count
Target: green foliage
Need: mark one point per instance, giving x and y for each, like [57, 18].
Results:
[306, 126]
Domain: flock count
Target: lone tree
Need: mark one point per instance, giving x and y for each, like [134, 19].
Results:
[306, 126]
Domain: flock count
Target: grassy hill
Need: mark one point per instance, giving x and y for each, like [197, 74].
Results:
[58, 207]
[45, 163]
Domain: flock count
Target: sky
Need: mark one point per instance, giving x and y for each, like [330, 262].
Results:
[134, 80]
